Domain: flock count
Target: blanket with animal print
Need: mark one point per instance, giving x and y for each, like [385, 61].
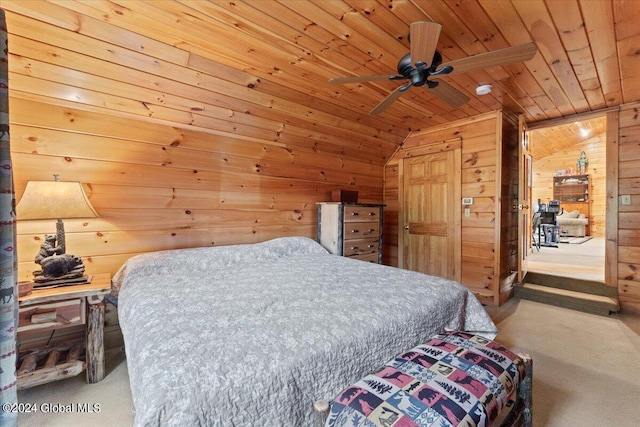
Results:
[252, 335]
[454, 379]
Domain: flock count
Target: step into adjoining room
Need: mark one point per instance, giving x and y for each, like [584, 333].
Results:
[568, 194]
[570, 274]
[566, 265]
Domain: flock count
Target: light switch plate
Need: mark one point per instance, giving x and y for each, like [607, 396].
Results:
[467, 201]
[625, 199]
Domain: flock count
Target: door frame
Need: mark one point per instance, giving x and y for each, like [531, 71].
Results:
[611, 204]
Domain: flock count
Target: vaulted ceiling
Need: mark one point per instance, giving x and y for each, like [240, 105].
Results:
[587, 59]
[278, 56]
[550, 140]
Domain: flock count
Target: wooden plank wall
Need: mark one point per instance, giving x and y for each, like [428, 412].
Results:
[544, 171]
[629, 215]
[174, 152]
[479, 180]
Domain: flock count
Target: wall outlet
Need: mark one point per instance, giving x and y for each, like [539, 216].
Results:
[625, 199]
[467, 201]
[467, 212]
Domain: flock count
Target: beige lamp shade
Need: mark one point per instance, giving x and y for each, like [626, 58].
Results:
[54, 200]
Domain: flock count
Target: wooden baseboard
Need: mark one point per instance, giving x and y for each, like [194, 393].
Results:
[630, 307]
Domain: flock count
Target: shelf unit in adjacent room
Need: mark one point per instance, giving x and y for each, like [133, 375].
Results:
[573, 192]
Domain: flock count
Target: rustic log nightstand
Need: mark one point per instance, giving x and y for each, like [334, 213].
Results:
[57, 308]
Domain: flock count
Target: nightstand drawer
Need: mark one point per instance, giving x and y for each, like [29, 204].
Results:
[360, 247]
[359, 230]
[52, 315]
[361, 213]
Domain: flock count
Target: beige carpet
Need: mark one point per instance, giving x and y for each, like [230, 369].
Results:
[586, 367]
[584, 261]
[586, 372]
[112, 394]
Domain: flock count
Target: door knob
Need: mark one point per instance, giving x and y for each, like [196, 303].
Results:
[406, 227]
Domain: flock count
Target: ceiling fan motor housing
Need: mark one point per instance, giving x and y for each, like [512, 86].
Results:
[404, 65]
[420, 73]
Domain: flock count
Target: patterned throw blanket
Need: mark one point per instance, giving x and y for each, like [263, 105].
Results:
[455, 379]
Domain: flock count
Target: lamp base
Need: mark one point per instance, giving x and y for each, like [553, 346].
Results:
[60, 270]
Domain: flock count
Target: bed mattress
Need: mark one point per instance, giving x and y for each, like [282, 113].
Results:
[249, 335]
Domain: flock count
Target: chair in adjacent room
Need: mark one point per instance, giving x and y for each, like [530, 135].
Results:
[535, 232]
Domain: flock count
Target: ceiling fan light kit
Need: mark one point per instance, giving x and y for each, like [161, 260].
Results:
[424, 61]
[483, 89]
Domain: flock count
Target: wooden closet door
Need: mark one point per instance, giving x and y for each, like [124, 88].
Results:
[431, 187]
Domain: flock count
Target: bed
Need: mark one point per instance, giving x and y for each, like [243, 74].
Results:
[253, 334]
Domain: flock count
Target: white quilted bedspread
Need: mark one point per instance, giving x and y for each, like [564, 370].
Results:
[252, 335]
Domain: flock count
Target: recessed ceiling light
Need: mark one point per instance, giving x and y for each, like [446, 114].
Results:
[483, 89]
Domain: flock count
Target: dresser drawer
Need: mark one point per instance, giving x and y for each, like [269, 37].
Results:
[359, 230]
[367, 257]
[51, 315]
[361, 213]
[360, 247]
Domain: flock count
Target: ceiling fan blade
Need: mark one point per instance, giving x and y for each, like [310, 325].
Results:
[390, 99]
[449, 94]
[519, 53]
[424, 39]
[356, 79]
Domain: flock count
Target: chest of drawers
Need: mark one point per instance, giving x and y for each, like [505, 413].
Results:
[351, 230]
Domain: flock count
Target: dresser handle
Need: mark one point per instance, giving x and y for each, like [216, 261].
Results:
[355, 213]
[354, 248]
[355, 231]
[372, 214]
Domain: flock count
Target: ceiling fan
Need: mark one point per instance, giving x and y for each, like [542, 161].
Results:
[424, 61]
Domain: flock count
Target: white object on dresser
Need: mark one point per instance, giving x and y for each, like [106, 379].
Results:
[353, 230]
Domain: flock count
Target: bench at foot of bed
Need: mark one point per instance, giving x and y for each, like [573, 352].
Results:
[454, 379]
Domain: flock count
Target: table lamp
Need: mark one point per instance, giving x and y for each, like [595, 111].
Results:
[55, 200]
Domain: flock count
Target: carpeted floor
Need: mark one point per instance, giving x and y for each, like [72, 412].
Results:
[585, 366]
[585, 372]
[584, 261]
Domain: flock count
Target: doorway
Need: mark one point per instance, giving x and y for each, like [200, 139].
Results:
[569, 176]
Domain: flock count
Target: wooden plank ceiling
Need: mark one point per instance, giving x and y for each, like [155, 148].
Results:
[551, 140]
[276, 57]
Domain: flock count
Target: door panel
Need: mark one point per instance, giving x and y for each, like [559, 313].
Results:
[431, 214]
[524, 199]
